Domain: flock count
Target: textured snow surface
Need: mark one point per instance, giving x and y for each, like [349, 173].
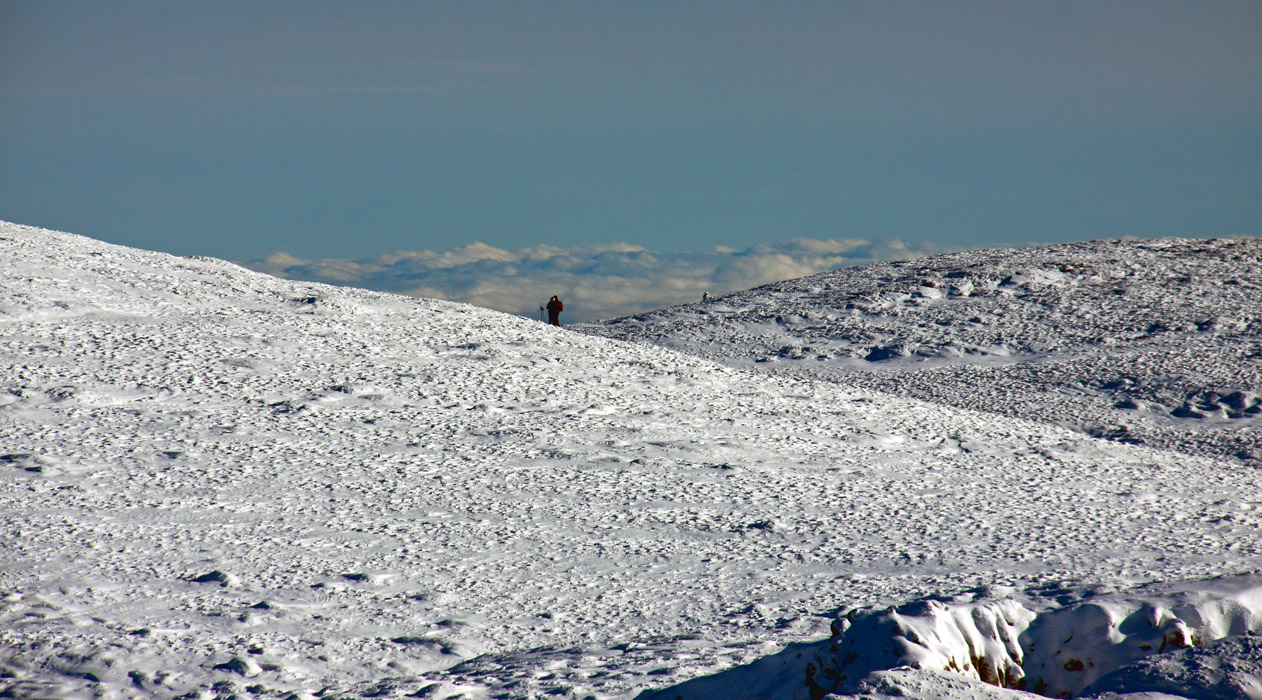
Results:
[1154, 342]
[217, 483]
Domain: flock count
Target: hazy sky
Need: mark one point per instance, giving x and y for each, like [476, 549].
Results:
[352, 129]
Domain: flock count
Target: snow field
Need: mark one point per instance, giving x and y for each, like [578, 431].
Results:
[216, 483]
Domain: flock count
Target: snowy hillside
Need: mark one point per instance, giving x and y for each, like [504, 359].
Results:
[1148, 342]
[215, 483]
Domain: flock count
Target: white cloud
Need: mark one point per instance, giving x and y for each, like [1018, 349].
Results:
[599, 282]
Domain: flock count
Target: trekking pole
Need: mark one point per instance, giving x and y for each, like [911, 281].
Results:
[540, 313]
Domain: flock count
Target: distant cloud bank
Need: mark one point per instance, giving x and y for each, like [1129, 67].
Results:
[601, 282]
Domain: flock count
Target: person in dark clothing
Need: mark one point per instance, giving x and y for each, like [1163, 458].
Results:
[554, 310]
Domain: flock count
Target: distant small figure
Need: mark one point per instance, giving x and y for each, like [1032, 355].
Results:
[705, 297]
[554, 310]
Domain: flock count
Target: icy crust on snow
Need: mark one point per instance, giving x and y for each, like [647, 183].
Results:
[1107, 645]
[1156, 342]
[215, 483]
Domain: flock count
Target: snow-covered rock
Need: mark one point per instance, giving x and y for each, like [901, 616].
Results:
[1121, 642]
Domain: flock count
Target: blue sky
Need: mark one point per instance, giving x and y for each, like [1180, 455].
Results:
[338, 131]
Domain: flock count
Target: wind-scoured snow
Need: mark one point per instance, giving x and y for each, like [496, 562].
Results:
[215, 483]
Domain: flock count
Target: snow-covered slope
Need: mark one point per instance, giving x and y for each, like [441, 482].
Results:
[1153, 342]
[215, 483]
